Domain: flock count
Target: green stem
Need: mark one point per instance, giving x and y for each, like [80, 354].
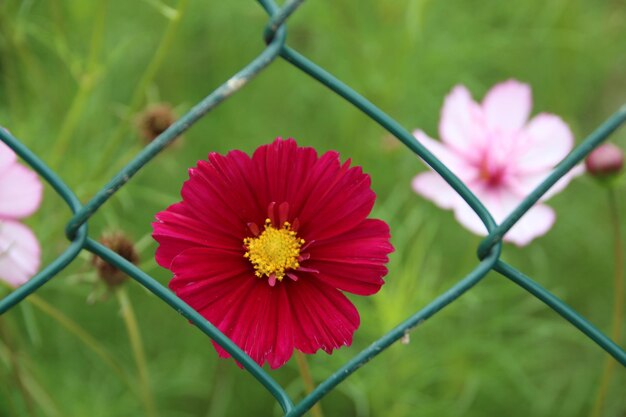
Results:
[16, 373]
[132, 328]
[221, 390]
[309, 385]
[8, 403]
[114, 142]
[81, 334]
[10, 75]
[618, 303]
[86, 84]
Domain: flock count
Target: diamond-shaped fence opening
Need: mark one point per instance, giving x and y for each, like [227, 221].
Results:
[488, 251]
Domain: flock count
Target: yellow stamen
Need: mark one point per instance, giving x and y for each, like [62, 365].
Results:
[274, 251]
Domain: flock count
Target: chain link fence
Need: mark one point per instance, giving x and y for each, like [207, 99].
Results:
[488, 251]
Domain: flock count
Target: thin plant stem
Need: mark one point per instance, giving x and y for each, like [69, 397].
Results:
[132, 328]
[87, 339]
[10, 74]
[9, 401]
[86, 83]
[618, 302]
[137, 98]
[16, 368]
[309, 385]
[82, 335]
[37, 392]
[221, 390]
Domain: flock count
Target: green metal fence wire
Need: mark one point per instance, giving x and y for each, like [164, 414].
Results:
[489, 250]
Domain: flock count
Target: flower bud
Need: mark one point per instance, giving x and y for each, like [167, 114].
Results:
[155, 120]
[124, 247]
[606, 161]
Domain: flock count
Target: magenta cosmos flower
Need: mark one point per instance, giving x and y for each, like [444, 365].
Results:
[264, 247]
[20, 196]
[499, 155]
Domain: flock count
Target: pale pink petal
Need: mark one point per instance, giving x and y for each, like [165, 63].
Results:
[507, 106]
[469, 219]
[462, 125]
[430, 185]
[536, 222]
[524, 184]
[547, 140]
[20, 192]
[19, 253]
[7, 157]
[498, 201]
[447, 155]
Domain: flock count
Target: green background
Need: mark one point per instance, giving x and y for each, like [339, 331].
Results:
[68, 73]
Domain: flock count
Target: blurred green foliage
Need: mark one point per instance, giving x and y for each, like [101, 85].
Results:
[68, 73]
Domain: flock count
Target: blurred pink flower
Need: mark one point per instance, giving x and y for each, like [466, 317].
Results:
[20, 195]
[499, 155]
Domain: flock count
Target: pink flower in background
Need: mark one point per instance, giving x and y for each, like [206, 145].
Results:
[499, 154]
[20, 196]
[264, 247]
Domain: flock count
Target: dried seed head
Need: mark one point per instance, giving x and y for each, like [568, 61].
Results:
[124, 247]
[155, 120]
[606, 161]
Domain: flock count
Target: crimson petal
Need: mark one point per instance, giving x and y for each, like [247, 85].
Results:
[355, 261]
[325, 318]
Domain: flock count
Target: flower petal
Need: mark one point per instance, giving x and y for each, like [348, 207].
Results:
[499, 201]
[282, 173]
[219, 192]
[245, 308]
[469, 219]
[507, 106]
[325, 319]
[431, 186]
[536, 222]
[198, 265]
[20, 253]
[462, 125]
[547, 140]
[355, 261]
[260, 325]
[524, 184]
[327, 197]
[177, 229]
[447, 155]
[338, 200]
[20, 192]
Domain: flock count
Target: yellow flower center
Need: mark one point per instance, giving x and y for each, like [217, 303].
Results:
[274, 251]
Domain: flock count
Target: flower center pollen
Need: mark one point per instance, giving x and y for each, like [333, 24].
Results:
[491, 175]
[274, 251]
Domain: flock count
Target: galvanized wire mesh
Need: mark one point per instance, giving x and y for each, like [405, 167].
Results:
[488, 251]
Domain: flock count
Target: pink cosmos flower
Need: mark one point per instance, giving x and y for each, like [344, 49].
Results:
[499, 154]
[264, 247]
[20, 195]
